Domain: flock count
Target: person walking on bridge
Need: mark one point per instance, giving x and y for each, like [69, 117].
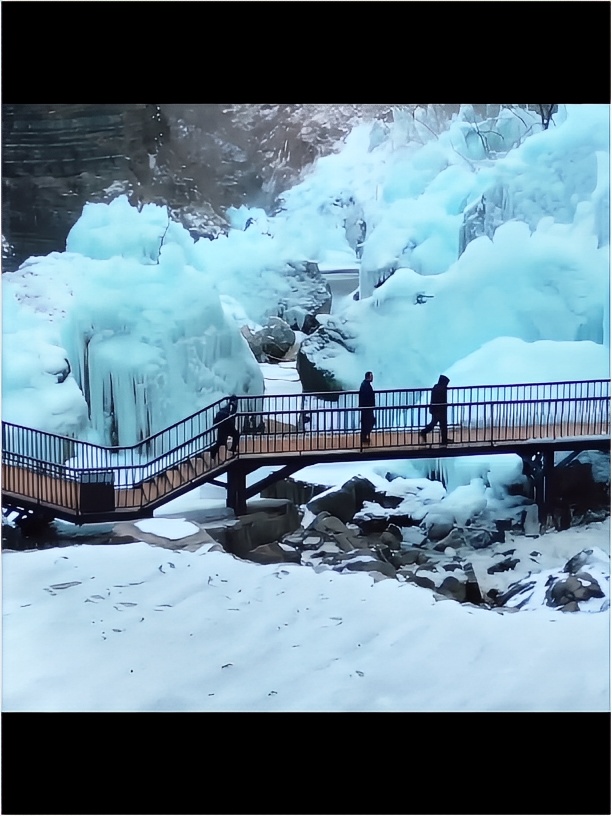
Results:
[225, 423]
[437, 409]
[367, 401]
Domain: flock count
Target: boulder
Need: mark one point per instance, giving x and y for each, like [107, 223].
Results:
[297, 318]
[454, 539]
[339, 503]
[420, 580]
[594, 515]
[578, 561]
[331, 530]
[344, 542]
[370, 565]
[346, 501]
[589, 588]
[295, 490]
[272, 342]
[503, 566]
[371, 524]
[472, 588]
[362, 488]
[328, 553]
[255, 341]
[392, 537]
[438, 525]
[237, 540]
[311, 369]
[479, 538]
[523, 588]
[316, 522]
[386, 501]
[272, 553]
[268, 520]
[402, 519]
[304, 540]
[575, 588]
[315, 298]
[331, 524]
[404, 558]
[453, 588]
[277, 338]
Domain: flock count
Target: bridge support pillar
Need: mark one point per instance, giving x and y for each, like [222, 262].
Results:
[542, 481]
[236, 488]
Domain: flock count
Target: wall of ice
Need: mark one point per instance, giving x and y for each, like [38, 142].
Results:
[542, 274]
[145, 333]
[37, 388]
[425, 193]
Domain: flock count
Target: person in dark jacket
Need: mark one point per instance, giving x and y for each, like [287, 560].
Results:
[367, 401]
[225, 424]
[437, 409]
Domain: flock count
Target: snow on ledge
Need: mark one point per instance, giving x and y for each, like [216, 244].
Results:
[168, 528]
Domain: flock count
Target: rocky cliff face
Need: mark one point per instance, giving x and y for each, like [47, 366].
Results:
[197, 159]
[57, 157]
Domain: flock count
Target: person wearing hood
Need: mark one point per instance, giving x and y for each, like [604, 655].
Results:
[225, 423]
[367, 401]
[437, 409]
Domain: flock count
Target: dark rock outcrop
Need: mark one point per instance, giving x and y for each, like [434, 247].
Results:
[503, 566]
[55, 158]
[311, 370]
[273, 553]
[311, 296]
[268, 521]
[575, 588]
[345, 502]
[272, 342]
[293, 489]
[574, 490]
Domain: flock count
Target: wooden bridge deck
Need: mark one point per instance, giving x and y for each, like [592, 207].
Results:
[66, 478]
[64, 496]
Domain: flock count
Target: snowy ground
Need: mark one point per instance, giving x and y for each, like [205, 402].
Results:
[139, 628]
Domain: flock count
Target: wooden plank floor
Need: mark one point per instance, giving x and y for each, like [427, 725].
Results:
[55, 493]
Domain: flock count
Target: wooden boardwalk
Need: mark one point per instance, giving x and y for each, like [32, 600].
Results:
[114, 484]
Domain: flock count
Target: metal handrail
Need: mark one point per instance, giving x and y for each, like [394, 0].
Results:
[253, 407]
[132, 466]
[54, 470]
[327, 396]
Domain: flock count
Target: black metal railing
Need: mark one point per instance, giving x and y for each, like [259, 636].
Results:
[60, 471]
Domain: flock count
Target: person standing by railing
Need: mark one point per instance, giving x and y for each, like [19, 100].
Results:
[367, 401]
[438, 410]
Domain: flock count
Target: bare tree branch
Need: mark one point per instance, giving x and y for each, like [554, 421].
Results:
[162, 239]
